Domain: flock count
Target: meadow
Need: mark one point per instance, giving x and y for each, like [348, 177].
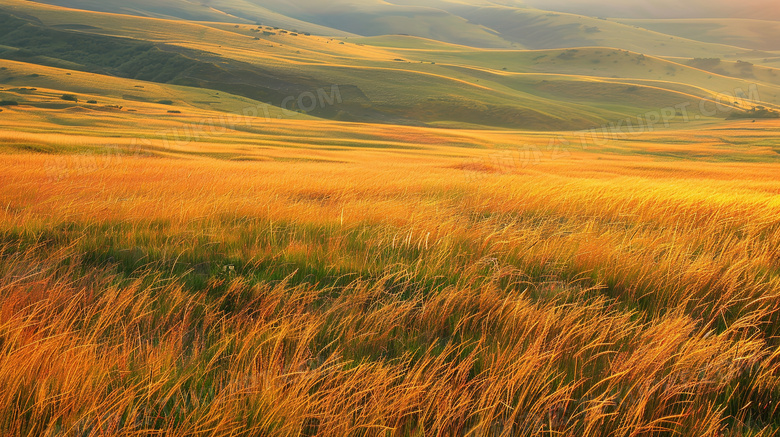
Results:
[441, 251]
[430, 289]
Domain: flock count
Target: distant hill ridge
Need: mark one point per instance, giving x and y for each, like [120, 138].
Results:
[488, 24]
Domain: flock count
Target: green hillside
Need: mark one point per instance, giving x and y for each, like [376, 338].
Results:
[397, 80]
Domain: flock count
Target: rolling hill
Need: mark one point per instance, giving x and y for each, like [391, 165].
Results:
[484, 24]
[441, 85]
[397, 80]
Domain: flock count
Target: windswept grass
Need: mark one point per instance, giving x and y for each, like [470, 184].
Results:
[211, 297]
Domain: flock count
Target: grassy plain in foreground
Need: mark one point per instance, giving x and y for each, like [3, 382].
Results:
[428, 290]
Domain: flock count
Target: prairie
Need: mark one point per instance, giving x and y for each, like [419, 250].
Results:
[466, 242]
[397, 284]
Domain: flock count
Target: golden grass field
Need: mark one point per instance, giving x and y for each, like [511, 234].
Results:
[416, 287]
[208, 273]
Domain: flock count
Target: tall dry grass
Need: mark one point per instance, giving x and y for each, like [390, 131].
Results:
[203, 297]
